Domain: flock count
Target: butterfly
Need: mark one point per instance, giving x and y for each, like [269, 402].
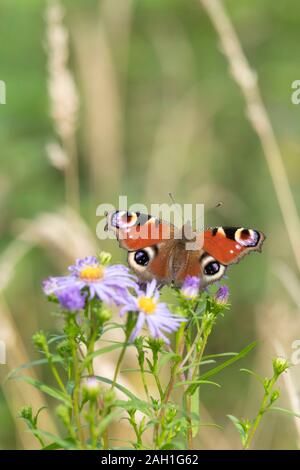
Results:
[158, 250]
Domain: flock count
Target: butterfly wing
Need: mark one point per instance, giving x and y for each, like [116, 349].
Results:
[229, 244]
[149, 242]
[154, 252]
[222, 247]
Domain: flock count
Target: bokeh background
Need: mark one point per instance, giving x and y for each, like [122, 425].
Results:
[136, 97]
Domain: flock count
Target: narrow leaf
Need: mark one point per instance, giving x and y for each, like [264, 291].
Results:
[284, 410]
[107, 420]
[100, 351]
[227, 363]
[257, 376]
[196, 382]
[56, 440]
[51, 391]
[28, 365]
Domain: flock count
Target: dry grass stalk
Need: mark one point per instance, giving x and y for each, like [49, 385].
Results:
[118, 22]
[292, 390]
[64, 234]
[64, 102]
[57, 156]
[246, 79]
[276, 326]
[18, 393]
[103, 114]
[289, 280]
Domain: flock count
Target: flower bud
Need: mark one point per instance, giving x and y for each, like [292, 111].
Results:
[104, 258]
[40, 341]
[109, 397]
[190, 287]
[91, 389]
[104, 314]
[275, 395]
[26, 413]
[222, 295]
[279, 365]
[63, 413]
[71, 299]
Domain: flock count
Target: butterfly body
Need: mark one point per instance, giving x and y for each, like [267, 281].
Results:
[158, 250]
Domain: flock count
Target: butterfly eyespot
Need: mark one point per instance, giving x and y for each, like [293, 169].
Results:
[141, 257]
[246, 237]
[123, 219]
[212, 268]
[139, 260]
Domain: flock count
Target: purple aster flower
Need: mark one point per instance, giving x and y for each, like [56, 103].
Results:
[52, 285]
[108, 283]
[71, 298]
[222, 295]
[190, 287]
[155, 314]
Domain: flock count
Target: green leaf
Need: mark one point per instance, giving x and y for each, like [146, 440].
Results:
[227, 363]
[31, 364]
[195, 408]
[51, 391]
[195, 364]
[284, 410]
[52, 446]
[196, 382]
[136, 370]
[99, 352]
[257, 376]
[138, 404]
[215, 356]
[55, 338]
[239, 426]
[112, 326]
[167, 357]
[212, 425]
[56, 440]
[107, 420]
[135, 401]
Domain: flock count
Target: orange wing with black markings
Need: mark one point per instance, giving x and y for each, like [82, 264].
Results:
[155, 251]
[229, 244]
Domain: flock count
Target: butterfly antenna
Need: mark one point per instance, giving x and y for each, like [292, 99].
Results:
[172, 198]
[216, 206]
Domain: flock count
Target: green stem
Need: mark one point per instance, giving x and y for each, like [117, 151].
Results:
[203, 334]
[139, 443]
[170, 386]
[158, 384]
[76, 409]
[128, 329]
[93, 431]
[144, 381]
[57, 376]
[261, 412]
[118, 366]
[189, 420]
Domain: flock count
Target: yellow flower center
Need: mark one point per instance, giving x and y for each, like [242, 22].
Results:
[92, 273]
[147, 304]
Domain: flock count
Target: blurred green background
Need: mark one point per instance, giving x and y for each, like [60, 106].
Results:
[157, 112]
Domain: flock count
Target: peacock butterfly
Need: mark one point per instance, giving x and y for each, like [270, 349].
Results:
[157, 250]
